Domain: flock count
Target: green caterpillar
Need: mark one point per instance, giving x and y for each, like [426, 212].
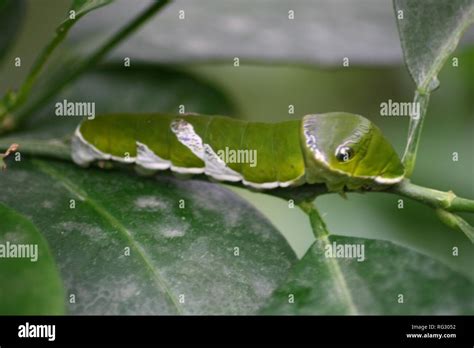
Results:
[338, 149]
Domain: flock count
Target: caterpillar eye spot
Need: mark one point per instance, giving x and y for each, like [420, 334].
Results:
[344, 153]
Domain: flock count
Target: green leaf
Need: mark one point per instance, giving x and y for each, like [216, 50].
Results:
[11, 17]
[173, 250]
[429, 32]
[29, 285]
[323, 285]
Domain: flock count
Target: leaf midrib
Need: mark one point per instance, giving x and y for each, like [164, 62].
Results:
[101, 211]
[446, 51]
[338, 278]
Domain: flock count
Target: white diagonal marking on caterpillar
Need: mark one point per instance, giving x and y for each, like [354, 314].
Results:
[187, 136]
[146, 158]
[311, 141]
[215, 167]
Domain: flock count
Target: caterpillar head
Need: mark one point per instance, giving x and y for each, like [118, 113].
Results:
[348, 150]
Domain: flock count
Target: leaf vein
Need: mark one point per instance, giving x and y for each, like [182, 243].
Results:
[100, 210]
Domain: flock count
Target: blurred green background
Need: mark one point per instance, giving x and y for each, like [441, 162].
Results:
[263, 92]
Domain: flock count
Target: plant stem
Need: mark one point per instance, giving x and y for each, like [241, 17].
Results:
[18, 118]
[437, 199]
[414, 132]
[14, 101]
[317, 223]
[51, 148]
[302, 195]
[456, 222]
